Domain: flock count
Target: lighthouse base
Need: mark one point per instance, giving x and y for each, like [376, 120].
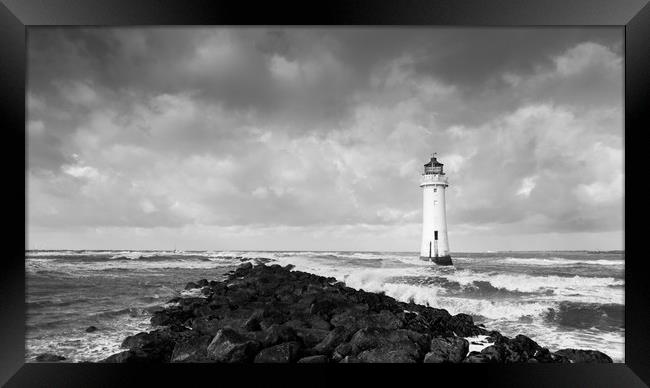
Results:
[440, 260]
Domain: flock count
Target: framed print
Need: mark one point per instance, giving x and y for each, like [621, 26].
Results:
[211, 188]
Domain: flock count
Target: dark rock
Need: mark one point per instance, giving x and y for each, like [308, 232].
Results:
[206, 291]
[190, 304]
[91, 329]
[253, 323]
[156, 345]
[274, 313]
[334, 338]
[393, 355]
[463, 325]
[524, 344]
[192, 350]
[202, 283]
[191, 285]
[207, 325]
[360, 319]
[478, 357]
[277, 334]
[170, 316]
[493, 353]
[297, 324]
[316, 322]
[543, 355]
[342, 351]
[243, 269]
[218, 302]
[324, 307]
[202, 310]
[349, 360]
[319, 359]
[584, 356]
[230, 346]
[311, 337]
[453, 349]
[49, 357]
[398, 345]
[282, 353]
[138, 341]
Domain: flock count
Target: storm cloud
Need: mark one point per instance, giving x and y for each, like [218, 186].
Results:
[314, 138]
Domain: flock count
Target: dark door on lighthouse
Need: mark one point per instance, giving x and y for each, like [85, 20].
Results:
[435, 243]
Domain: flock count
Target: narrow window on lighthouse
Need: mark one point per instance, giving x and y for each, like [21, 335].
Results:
[435, 189]
[435, 203]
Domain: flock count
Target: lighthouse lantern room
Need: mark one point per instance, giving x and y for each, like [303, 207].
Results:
[435, 244]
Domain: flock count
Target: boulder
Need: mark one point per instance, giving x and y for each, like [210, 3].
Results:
[298, 324]
[414, 344]
[171, 316]
[523, 344]
[463, 325]
[333, 338]
[478, 358]
[359, 319]
[190, 304]
[191, 350]
[207, 325]
[277, 334]
[584, 356]
[191, 285]
[311, 337]
[316, 322]
[283, 353]
[395, 355]
[206, 291]
[140, 340]
[243, 269]
[230, 346]
[324, 307]
[453, 349]
[342, 351]
[91, 329]
[156, 345]
[253, 322]
[202, 309]
[545, 356]
[202, 283]
[495, 353]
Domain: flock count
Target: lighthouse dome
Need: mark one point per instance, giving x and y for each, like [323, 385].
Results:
[434, 166]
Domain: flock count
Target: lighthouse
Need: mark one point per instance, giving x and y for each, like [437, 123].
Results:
[435, 244]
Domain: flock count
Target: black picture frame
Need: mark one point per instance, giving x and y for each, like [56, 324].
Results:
[633, 16]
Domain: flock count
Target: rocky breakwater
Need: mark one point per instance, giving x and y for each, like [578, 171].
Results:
[271, 314]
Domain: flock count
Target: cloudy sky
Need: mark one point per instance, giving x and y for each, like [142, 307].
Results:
[305, 138]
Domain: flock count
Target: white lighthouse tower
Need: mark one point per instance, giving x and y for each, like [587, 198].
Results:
[435, 244]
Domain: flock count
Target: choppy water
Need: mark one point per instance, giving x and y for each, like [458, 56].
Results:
[560, 299]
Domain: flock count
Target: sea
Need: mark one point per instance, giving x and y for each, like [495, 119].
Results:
[572, 299]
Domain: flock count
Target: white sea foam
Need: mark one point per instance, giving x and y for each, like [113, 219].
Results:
[611, 343]
[77, 345]
[33, 265]
[555, 261]
[478, 343]
[527, 283]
